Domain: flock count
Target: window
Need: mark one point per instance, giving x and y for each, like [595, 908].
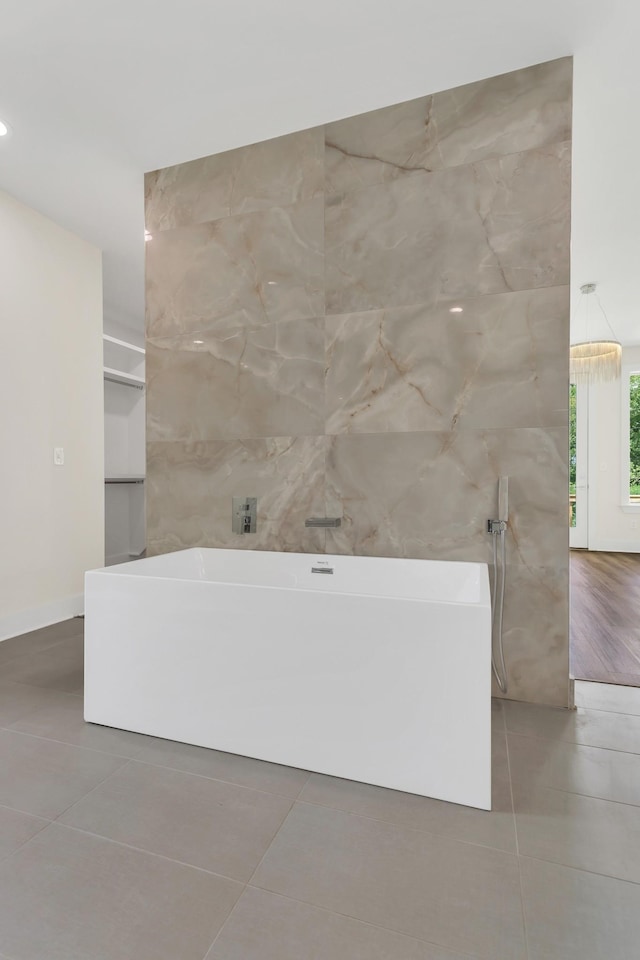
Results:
[572, 451]
[634, 438]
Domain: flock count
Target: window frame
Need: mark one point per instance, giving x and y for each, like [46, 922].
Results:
[628, 370]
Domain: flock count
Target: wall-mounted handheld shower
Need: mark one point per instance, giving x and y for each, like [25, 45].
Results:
[498, 530]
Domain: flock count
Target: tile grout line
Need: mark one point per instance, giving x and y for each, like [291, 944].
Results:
[406, 826]
[207, 955]
[46, 823]
[590, 796]
[231, 783]
[518, 858]
[590, 873]
[607, 687]
[149, 853]
[31, 653]
[63, 743]
[613, 713]
[10, 661]
[39, 816]
[365, 923]
[92, 790]
[574, 743]
[273, 839]
[138, 759]
[349, 916]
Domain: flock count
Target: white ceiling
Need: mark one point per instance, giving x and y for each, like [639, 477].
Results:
[99, 91]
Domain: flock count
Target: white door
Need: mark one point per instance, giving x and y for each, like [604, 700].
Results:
[578, 477]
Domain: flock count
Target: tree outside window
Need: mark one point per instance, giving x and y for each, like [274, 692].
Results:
[572, 451]
[634, 437]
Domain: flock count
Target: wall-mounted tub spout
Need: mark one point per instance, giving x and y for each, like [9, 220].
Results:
[498, 530]
[323, 521]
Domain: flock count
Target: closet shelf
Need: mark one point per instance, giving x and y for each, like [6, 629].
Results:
[128, 379]
[123, 343]
[125, 478]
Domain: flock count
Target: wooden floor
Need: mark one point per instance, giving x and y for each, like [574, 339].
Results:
[605, 617]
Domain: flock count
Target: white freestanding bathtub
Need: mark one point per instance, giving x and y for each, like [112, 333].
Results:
[365, 668]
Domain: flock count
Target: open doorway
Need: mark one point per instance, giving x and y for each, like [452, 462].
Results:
[605, 573]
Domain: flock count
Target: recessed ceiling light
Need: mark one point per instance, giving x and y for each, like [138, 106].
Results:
[455, 309]
[4, 129]
[198, 341]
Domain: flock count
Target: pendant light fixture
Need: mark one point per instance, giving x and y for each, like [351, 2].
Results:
[594, 357]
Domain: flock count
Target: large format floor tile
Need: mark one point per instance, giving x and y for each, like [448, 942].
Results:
[44, 778]
[61, 718]
[354, 873]
[606, 696]
[244, 771]
[40, 639]
[68, 896]
[574, 768]
[18, 700]
[583, 832]
[265, 926]
[572, 915]
[209, 824]
[593, 728]
[15, 829]
[457, 895]
[56, 668]
[491, 829]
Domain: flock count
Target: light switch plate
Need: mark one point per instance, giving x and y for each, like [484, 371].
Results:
[58, 456]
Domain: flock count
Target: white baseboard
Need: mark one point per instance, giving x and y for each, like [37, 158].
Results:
[36, 617]
[616, 546]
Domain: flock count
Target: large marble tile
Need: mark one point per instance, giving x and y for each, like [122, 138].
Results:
[249, 270]
[190, 487]
[502, 362]
[68, 896]
[245, 382]
[430, 494]
[536, 632]
[574, 915]
[488, 227]
[501, 115]
[274, 173]
[384, 874]
[266, 926]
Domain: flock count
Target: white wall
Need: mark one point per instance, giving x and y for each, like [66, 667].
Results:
[606, 241]
[606, 153]
[50, 396]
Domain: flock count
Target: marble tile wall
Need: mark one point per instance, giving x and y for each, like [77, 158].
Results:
[301, 346]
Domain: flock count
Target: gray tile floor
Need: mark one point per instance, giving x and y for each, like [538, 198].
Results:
[115, 846]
